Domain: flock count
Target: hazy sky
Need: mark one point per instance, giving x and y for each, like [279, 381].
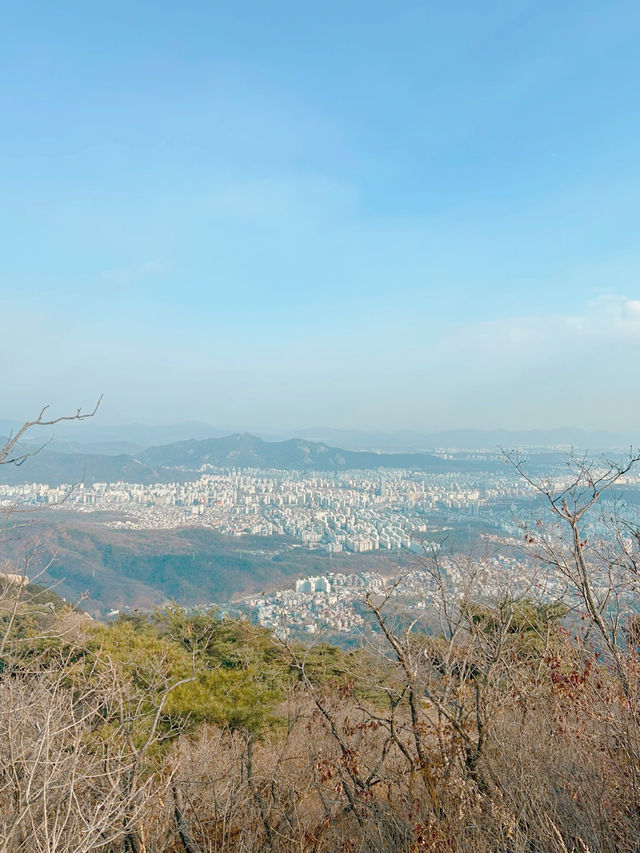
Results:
[372, 214]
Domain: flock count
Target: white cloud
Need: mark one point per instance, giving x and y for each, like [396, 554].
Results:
[605, 320]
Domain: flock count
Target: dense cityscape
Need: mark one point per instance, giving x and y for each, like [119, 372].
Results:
[403, 514]
[333, 603]
[355, 512]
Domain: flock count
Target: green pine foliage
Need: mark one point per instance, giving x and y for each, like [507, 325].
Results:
[213, 670]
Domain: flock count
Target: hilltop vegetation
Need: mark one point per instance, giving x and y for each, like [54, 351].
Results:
[182, 732]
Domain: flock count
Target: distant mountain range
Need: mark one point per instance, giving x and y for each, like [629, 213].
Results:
[74, 462]
[248, 451]
[471, 439]
[182, 460]
[91, 437]
[55, 468]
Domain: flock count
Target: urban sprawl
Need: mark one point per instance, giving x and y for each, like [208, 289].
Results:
[345, 513]
[355, 512]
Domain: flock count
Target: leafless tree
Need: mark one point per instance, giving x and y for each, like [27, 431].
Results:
[12, 454]
[602, 572]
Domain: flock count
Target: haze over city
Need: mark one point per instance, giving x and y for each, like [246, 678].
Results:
[349, 215]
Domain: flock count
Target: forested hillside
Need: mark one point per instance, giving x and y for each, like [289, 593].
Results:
[115, 568]
[184, 459]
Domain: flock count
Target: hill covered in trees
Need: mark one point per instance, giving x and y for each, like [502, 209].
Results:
[184, 459]
[116, 568]
[248, 451]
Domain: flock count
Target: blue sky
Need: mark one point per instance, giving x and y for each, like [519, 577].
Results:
[287, 214]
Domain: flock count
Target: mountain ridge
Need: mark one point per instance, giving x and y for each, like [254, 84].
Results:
[86, 436]
[184, 459]
[243, 450]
